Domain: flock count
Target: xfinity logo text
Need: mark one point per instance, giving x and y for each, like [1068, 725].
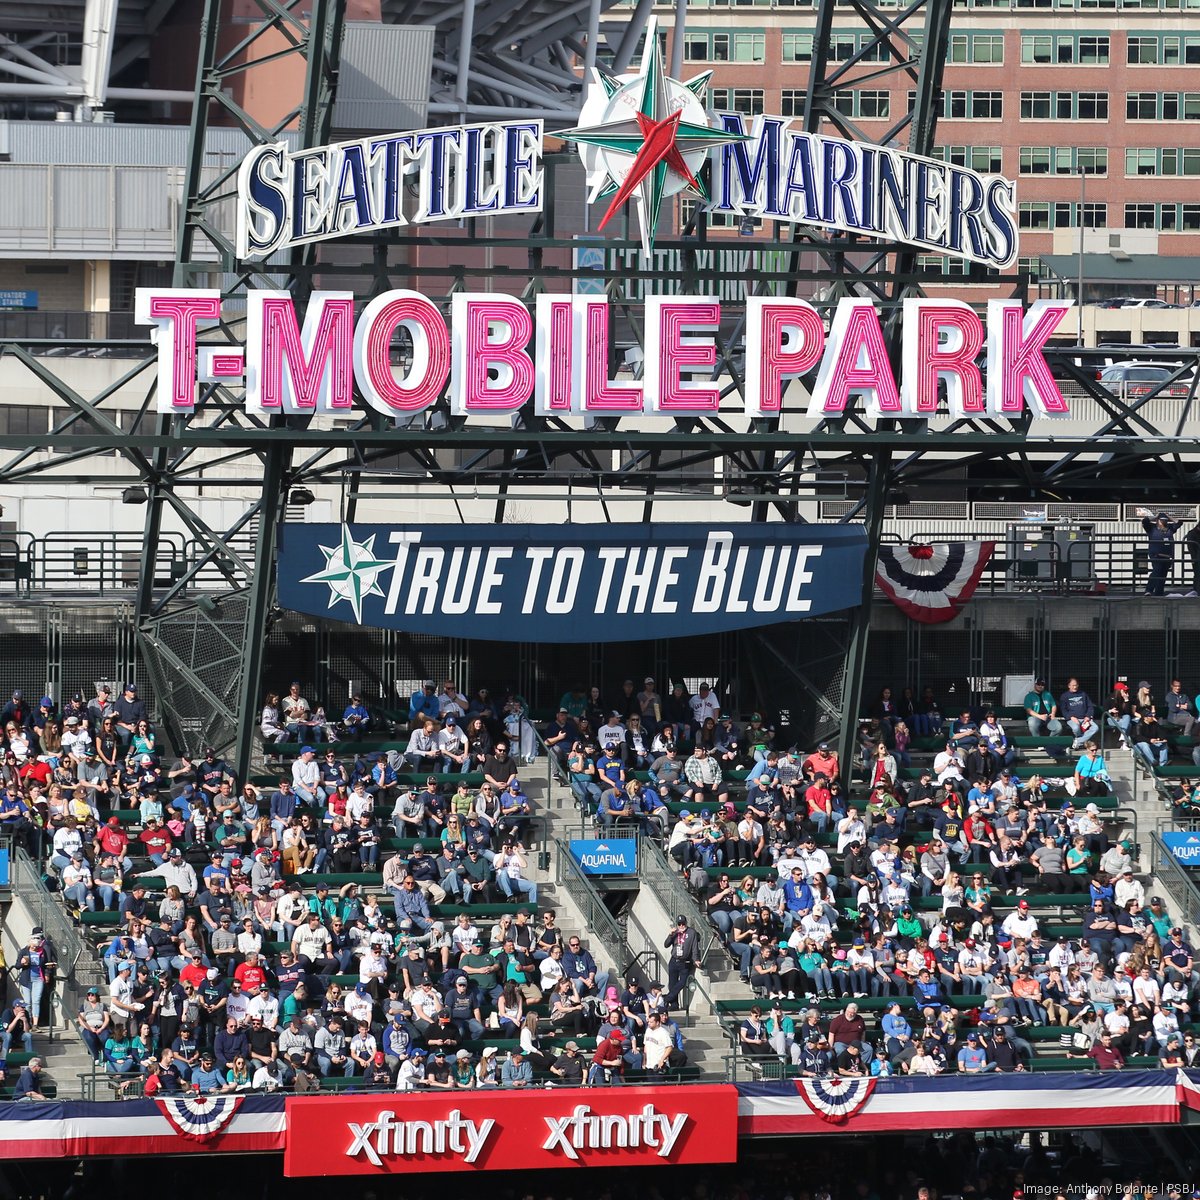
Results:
[385, 1137]
[585, 1130]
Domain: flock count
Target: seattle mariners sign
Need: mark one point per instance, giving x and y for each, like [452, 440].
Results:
[643, 137]
[581, 583]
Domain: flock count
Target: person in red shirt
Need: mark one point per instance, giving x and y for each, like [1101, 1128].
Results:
[822, 761]
[250, 973]
[820, 803]
[156, 840]
[1105, 1055]
[194, 972]
[34, 769]
[112, 839]
[608, 1060]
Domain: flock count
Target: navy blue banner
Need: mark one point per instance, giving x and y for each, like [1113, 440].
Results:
[572, 583]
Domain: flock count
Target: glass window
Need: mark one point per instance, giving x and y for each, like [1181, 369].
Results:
[874, 104]
[1189, 217]
[988, 48]
[1092, 160]
[987, 106]
[1141, 106]
[1141, 50]
[1035, 160]
[748, 101]
[1140, 161]
[792, 103]
[1093, 51]
[720, 47]
[1035, 106]
[695, 47]
[1093, 106]
[749, 47]
[797, 47]
[1037, 48]
[1033, 215]
[1095, 216]
[1139, 216]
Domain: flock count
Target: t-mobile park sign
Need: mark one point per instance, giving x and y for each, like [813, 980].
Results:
[510, 1131]
[493, 356]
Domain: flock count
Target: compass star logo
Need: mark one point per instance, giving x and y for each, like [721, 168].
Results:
[352, 571]
[643, 136]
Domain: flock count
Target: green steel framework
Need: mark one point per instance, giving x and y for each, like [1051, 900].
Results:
[204, 649]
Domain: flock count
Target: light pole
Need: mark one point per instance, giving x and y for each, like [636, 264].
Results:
[1079, 288]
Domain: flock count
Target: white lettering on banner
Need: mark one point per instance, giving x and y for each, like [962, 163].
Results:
[610, 858]
[432, 580]
[586, 1130]
[385, 1137]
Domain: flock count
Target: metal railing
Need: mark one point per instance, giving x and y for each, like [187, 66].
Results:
[1185, 891]
[657, 873]
[601, 924]
[45, 910]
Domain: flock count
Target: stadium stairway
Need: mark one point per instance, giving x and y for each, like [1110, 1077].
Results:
[645, 925]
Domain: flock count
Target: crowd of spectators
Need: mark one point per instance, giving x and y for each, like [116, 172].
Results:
[228, 970]
[916, 890]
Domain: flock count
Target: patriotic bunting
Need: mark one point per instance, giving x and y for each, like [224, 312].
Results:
[932, 583]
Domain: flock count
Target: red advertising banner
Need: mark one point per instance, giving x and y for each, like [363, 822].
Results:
[386, 1134]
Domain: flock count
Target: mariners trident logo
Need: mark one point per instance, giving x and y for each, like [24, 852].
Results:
[644, 136]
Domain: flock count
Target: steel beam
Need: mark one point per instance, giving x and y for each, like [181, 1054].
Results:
[860, 619]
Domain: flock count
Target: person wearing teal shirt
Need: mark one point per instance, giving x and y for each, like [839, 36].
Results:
[1091, 774]
[781, 1034]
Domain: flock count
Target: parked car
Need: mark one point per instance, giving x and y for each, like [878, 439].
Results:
[1133, 379]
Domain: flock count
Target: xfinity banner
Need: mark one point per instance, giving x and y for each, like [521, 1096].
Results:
[574, 583]
[392, 1133]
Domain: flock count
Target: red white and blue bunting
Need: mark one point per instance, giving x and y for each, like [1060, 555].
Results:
[200, 1118]
[835, 1099]
[932, 583]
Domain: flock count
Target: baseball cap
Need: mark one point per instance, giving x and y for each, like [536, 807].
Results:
[1023, 904]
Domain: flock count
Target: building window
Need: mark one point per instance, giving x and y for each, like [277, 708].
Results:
[1141, 106]
[1139, 216]
[797, 47]
[1141, 50]
[987, 106]
[749, 47]
[747, 101]
[21, 420]
[1064, 49]
[1092, 106]
[1189, 217]
[792, 103]
[1141, 161]
[984, 159]
[1033, 215]
[1035, 106]
[981, 49]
